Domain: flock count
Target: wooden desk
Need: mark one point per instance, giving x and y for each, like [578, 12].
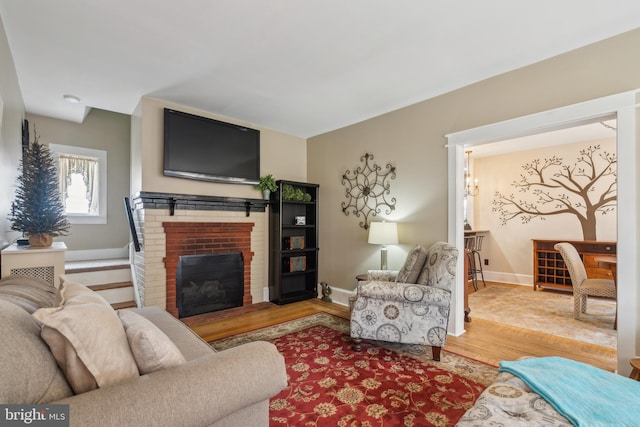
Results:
[610, 262]
[635, 369]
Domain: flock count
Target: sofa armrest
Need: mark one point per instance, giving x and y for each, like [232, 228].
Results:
[404, 292]
[199, 392]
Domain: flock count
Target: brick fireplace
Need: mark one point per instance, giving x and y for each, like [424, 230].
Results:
[204, 238]
[171, 225]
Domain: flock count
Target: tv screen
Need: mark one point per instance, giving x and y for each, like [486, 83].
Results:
[210, 150]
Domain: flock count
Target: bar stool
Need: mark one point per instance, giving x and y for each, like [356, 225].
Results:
[473, 246]
[469, 245]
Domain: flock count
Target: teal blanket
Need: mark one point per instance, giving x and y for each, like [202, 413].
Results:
[587, 396]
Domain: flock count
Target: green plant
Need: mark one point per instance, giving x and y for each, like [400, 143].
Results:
[267, 182]
[288, 192]
[37, 208]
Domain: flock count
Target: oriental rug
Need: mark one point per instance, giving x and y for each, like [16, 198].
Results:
[383, 385]
[549, 312]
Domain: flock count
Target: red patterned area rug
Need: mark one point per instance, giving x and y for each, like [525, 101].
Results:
[383, 385]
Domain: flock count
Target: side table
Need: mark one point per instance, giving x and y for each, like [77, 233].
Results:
[635, 371]
[42, 263]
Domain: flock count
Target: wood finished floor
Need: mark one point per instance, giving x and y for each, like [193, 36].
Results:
[485, 341]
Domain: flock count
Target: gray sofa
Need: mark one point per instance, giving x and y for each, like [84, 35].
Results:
[227, 388]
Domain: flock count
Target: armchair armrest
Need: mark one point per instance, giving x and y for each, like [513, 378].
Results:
[199, 392]
[404, 292]
[382, 275]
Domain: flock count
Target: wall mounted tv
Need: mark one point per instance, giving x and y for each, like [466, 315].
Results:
[210, 150]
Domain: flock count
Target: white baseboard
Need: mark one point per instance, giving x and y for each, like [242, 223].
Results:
[91, 254]
[501, 277]
[338, 295]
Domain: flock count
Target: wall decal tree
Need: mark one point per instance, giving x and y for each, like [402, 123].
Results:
[585, 189]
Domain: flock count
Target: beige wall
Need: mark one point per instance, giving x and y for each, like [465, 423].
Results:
[508, 247]
[101, 130]
[282, 155]
[413, 138]
[11, 115]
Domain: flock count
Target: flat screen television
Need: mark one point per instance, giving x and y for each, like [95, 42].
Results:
[210, 150]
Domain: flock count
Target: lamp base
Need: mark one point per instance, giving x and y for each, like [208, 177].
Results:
[383, 258]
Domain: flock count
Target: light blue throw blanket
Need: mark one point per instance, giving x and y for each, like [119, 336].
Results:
[587, 396]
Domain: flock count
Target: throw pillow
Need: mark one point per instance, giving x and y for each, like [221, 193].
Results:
[89, 333]
[151, 348]
[413, 265]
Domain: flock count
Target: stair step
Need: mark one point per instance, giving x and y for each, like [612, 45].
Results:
[124, 304]
[108, 286]
[72, 267]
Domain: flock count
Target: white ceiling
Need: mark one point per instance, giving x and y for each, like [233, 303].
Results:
[302, 67]
[597, 130]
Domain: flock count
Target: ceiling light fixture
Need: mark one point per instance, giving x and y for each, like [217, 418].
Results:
[71, 99]
[468, 180]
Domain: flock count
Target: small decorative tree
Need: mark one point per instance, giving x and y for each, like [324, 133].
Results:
[584, 189]
[37, 209]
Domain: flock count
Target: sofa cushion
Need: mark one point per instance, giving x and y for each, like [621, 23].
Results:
[151, 348]
[30, 293]
[28, 370]
[413, 265]
[88, 334]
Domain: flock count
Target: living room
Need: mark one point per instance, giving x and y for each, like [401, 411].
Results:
[412, 137]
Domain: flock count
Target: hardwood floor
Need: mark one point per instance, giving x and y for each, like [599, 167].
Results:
[485, 341]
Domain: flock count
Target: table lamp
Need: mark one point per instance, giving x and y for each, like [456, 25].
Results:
[383, 233]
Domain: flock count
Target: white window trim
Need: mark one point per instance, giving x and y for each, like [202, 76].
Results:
[101, 155]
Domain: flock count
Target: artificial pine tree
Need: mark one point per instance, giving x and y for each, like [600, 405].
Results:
[37, 209]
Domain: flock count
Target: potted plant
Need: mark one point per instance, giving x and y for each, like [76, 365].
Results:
[267, 184]
[37, 209]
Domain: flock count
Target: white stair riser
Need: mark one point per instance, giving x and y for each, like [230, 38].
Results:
[102, 277]
[114, 296]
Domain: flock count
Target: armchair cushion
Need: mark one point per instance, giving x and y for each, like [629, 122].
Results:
[412, 267]
[384, 275]
[404, 293]
[439, 270]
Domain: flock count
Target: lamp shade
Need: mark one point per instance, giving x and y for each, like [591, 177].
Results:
[383, 233]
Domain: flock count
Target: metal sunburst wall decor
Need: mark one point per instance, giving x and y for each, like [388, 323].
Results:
[367, 190]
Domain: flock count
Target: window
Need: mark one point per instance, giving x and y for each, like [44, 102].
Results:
[82, 174]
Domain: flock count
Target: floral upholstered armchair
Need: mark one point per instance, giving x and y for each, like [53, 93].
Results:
[410, 306]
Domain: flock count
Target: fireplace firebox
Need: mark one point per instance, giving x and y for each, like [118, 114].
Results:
[207, 283]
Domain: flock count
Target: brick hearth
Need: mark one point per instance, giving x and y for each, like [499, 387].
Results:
[205, 238]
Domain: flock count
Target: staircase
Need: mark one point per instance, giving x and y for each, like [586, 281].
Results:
[111, 278]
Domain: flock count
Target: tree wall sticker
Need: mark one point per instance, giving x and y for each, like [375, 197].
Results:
[584, 190]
